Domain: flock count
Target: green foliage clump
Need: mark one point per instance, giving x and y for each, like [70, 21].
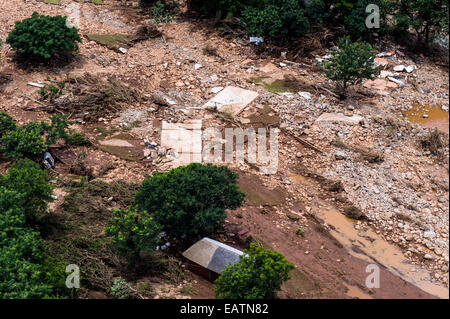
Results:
[352, 62]
[28, 140]
[32, 183]
[7, 123]
[285, 17]
[190, 200]
[257, 275]
[24, 141]
[43, 36]
[316, 10]
[423, 16]
[162, 12]
[221, 7]
[299, 231]
[50, 91]
[21, 273]
[134, 232]
[355, 20]
[121, 289]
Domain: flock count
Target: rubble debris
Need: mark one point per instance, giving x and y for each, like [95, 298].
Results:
[48, 161]
[353, 213]
[4, 80]
[380, 84]
[115, 42]
[305, 95]
[36, 84]
[256, 40]
[396, 81]
[146, 31]
[216, 89]
[116, 142]
[91, 97]
[183, 142]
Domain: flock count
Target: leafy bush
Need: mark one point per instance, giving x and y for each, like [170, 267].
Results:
[316, 10]
[133, 232]
[355, 19]
[190, 200]
[21, 275]
[57, 129]
[7, 123]
[223, 7]
[285, 17]
[299, 231]
[27, 140]
[161, 12]
[258, 275]
[43, 36]
[26, 178]
[77, 139]
[423, 16]
[352, 62]
[24, 141]
[121, 289]
[50, 91]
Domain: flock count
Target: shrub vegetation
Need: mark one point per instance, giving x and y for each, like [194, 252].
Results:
[257, 275]
[350, 63]
[133, 232]
[23, 270]
[42, 37]
[190, 200]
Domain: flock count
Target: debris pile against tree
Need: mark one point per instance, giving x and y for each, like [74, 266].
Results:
[122, 42]
[146, 31]
[4, 80]
[90, 97]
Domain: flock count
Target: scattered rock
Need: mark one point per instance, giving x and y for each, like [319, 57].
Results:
[340, 155]
[305, 95]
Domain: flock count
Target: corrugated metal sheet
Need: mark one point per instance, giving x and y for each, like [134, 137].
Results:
[212, 255]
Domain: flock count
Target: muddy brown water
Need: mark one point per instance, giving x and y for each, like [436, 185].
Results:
[373, 248]
[435, 117]
[370, 246]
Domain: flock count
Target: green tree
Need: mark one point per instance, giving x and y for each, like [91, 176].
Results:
[162, 12]
[27, 179]
[257, 275]
[355, 19]
[424, 16]
[21, 273]
[133, 232]
[43, 36]
[24, 141]
[190, 200]
[350, 63]
[7, 123]
[284, 17]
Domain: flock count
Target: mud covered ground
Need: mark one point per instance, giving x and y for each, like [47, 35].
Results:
[378, 166]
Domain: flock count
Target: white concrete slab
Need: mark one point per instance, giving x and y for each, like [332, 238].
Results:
[116, 142]
[232, 99]
[185, 139]
[339, 118]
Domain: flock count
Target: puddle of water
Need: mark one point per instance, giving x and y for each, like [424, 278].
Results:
[356, 292]
[296, 178]
[374, 249]
[436, 117]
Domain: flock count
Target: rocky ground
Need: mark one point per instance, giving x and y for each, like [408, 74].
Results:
[369, 158]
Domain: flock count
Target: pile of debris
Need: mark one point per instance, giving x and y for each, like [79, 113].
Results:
[92, 97]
